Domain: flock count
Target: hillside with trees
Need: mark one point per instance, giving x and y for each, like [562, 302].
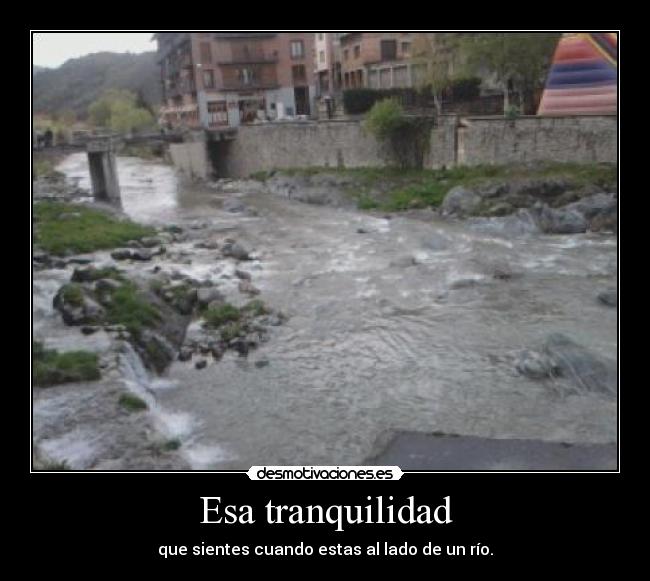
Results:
[78, 83]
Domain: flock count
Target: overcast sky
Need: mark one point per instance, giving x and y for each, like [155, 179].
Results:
[52, 49]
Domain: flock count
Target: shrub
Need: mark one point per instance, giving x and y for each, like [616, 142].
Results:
[386, 119]
[218, 316]
[408, 137]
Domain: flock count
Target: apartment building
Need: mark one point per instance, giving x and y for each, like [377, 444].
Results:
[328, 63]
[216, 80]
[378, 60]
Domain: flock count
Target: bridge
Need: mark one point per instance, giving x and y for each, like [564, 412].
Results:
[101, 152]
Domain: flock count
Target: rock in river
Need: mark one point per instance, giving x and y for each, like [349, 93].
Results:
[460, 201]
[559, 356]
[609, 297]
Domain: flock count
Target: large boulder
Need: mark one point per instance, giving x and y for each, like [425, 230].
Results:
[235, 250]
[560, 221]
[609, 297]
[592, 206]
[233, 205]
[561, 357]
[77, 306]
[460, 201]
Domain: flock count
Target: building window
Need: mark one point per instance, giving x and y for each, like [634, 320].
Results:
[297, 49]
[206, 53]
[346, 54]
[217, 113]
[388, 50]
[208, 79]
[321, 56]
[400, 77]
[246, 76]
[406, 48]
[385, 79]
[299, 73]
[357, 51]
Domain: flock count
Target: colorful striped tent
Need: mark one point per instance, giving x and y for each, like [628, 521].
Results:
[584, 76]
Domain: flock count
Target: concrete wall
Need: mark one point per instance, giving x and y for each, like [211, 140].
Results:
[191, 159]
[491, 140]
[472, 141]
[285, 145]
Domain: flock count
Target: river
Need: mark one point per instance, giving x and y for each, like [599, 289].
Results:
[381, 335]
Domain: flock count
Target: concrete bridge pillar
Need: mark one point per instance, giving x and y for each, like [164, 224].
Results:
[103, 172]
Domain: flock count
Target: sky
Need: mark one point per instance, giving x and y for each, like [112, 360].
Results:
[52, 49]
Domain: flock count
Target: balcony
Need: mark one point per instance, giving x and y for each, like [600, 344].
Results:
[252, 86]
[250, 57]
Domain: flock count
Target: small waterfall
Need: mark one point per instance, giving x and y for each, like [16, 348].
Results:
[136, 377]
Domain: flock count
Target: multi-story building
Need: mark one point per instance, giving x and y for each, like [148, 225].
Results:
[328, 63]
[378, 60]
[222, 79]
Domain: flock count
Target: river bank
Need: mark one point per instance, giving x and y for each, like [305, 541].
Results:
[389, 324]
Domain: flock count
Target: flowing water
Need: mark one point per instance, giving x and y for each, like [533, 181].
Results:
[401, 327]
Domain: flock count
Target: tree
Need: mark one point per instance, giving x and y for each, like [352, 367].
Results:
[438, 55]
[119, 111]
[520, 60]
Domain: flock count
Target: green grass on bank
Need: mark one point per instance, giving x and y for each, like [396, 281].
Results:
[53, 368]
[129, 308]
[395, 189]
[71, 228]
[132, 403]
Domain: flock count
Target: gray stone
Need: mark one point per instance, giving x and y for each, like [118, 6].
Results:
[609, 297]
[561, 357]
[235, 250]
[536, 365]
[247, 287]
[561, 221]
[107, 285]
[460, 201]
[185, 354]
[233, 205]
[243, 275]
[206, 296]
[151, 241]
[594, 205]
[403, 262]
[121, 254]
[201, 364]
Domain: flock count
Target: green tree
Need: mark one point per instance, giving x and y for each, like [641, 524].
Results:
[516, 59]
[119, 111]
[438, 56]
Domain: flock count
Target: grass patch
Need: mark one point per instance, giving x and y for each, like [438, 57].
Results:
[44, 168]
[218, 316]
[52, 467]
[64, 228]
[72, 293]
[260, 176]
[395, 189]
[127, 307]
[132, 403]
[256, 308]
[230, 331]
[53, 368]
